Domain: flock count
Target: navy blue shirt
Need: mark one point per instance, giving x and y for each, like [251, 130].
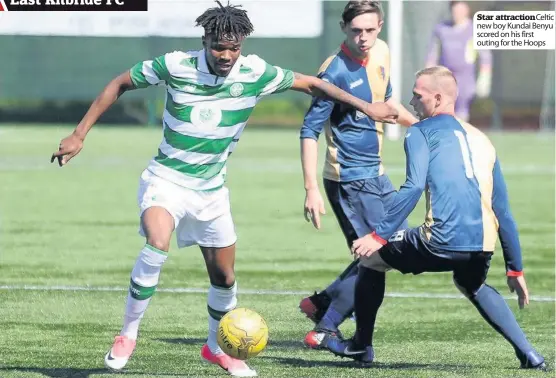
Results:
[354, 140]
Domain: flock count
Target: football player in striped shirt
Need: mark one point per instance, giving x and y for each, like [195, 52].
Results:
[210, 95]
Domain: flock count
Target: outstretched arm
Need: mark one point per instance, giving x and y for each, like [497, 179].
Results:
[316, 87]
[405, 118]
[117, 87]
[72, 145]
[141, 75]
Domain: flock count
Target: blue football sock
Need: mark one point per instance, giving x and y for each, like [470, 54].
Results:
[341, 306]
[331, 320]
[496, 312]
[334, 289]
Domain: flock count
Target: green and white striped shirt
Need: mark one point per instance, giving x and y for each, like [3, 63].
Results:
[205, 114]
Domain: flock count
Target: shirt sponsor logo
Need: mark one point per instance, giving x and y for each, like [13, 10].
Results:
[356, 83]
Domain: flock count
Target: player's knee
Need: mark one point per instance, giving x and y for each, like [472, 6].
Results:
[374, 262]
[222, 277]
[461, 288]
[465, 288]
[370, 273]
[226, 281]
[158, 243]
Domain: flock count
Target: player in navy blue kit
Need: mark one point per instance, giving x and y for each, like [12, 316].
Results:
[354, 180]
[467, 210]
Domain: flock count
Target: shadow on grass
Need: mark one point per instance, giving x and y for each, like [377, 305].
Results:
[339, 363]
[298, 362]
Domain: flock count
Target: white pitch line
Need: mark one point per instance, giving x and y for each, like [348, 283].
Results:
[194, 290]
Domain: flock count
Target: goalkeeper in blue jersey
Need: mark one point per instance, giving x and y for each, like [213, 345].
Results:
[210, 95]
[467, 211]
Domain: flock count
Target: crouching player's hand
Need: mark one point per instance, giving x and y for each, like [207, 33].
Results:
[518, 284]
[365, 246]
[382, 112]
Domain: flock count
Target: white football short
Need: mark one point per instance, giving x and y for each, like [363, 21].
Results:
[200, 218]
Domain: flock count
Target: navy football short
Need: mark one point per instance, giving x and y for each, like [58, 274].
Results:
[360, 205]
[407, 253]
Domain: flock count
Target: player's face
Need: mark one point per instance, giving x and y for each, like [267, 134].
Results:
[460, 12]
[362, 32]
[222, 54]
[424, 101]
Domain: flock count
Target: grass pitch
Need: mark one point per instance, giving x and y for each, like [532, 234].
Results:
[69, 236]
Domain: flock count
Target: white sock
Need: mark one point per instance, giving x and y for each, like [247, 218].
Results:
[220, 301]
[144, 278]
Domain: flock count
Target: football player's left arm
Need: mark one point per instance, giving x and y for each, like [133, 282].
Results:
[417, 166]
[507, 227]
[509, 237]
[405, 118]
[311, 85]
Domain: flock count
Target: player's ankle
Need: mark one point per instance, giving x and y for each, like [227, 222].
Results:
[329, 330]
[357, 344]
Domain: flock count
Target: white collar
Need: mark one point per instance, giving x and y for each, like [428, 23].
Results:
[202, 62]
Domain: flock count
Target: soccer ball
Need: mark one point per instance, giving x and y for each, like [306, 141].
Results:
[242, 333]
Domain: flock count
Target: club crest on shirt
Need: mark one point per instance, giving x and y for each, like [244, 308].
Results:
[382, 72]
[207, 117]
[189, 88]
[236, 89]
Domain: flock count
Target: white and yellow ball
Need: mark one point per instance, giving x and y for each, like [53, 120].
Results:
[242, 333]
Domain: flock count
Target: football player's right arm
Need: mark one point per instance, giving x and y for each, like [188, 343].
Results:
[141, 75]
[317, 115]
[417, 154]
[72, 144]
[417, 166]
[115, 88]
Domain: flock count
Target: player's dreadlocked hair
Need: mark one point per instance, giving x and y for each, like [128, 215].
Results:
[225, 21]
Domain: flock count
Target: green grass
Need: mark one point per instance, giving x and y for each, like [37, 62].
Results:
[77, 226]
